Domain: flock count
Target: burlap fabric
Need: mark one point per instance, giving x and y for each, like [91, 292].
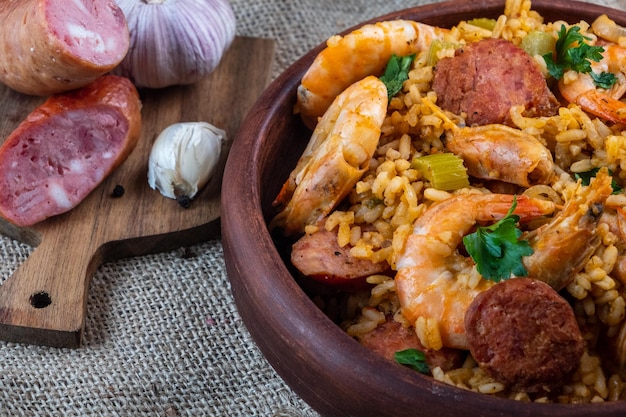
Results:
[162, 336]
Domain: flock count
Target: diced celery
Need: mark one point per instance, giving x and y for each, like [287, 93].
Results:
[436, 46]
[483, 22]
[444, 171]
[537, 42]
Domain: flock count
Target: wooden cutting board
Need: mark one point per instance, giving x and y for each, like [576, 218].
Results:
[44, 301]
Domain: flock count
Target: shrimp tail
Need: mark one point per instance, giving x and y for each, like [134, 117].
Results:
[603, 103]
[603, 106]
[563, 246]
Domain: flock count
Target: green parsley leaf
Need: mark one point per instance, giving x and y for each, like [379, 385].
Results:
[396, 73]
[572, 53]
[414, 359]
[497, 250]
[586, 177]
[604, 80]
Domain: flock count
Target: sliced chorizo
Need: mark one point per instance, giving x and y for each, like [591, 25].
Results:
[486, 78]
[391, 337]
[52, 46]
[66, 147]
[320, 257]
[524, 334]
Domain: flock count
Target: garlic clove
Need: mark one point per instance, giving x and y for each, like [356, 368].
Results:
[183, 158]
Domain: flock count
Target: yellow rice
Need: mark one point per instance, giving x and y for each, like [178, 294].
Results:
[378, 232]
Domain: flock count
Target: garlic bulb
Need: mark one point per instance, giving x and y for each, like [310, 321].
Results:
[183, 159]
[175, 42]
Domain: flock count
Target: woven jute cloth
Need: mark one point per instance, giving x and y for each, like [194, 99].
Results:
[162, 334]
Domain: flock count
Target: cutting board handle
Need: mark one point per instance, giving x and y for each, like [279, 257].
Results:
[43, 302]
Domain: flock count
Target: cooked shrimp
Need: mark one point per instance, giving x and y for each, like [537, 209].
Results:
[608, 29]
[335, 158]
[498, 152]
[563, 246]
[580, 89]
[360, 53]
[428, 280]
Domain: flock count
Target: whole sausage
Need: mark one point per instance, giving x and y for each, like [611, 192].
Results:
[524, 334]
[66, 147]
[51, 46]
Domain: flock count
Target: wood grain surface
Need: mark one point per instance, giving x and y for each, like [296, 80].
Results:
[44, 301]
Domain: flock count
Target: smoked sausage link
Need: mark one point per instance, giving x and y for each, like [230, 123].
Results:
[66, 147]
[52, 46]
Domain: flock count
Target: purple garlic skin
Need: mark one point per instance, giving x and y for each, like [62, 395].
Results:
[175, 42]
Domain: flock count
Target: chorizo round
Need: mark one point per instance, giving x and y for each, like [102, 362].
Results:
[486, 78]
[524, 334]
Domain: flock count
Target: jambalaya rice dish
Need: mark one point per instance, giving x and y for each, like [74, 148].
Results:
[462, 198]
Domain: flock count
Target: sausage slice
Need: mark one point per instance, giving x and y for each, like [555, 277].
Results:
[524, 334]
[51, 46]
[486, 78]
[391, 337]
[66, 147]
[320, 257]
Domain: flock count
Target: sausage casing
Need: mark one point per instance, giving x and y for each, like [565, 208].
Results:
[52, 46]
[66, 147]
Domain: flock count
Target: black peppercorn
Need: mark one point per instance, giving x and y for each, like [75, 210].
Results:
[118, 191]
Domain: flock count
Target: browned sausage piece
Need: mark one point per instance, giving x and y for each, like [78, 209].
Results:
[391, 337]
[66, 147]
[320, 257]
[51, 46]
[486, 78]
[524, 334]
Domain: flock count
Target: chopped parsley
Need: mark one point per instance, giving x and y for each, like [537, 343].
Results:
[573, 53]
[604, 80]
[497, 249]
[585, 178]
[396, 73]
[414, 359]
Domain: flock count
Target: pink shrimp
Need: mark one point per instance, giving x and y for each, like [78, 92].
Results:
[437, 283]
[429, 267]
[603, 103]
[336, 157]
[363, 52]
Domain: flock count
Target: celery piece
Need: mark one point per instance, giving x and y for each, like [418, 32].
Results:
[444, 171]
[483, 22]
[537, 42]
[436, 46]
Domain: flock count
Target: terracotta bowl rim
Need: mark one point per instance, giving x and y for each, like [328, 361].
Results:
[258, 275]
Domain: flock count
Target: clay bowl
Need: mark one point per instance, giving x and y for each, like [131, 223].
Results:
[322, 364]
